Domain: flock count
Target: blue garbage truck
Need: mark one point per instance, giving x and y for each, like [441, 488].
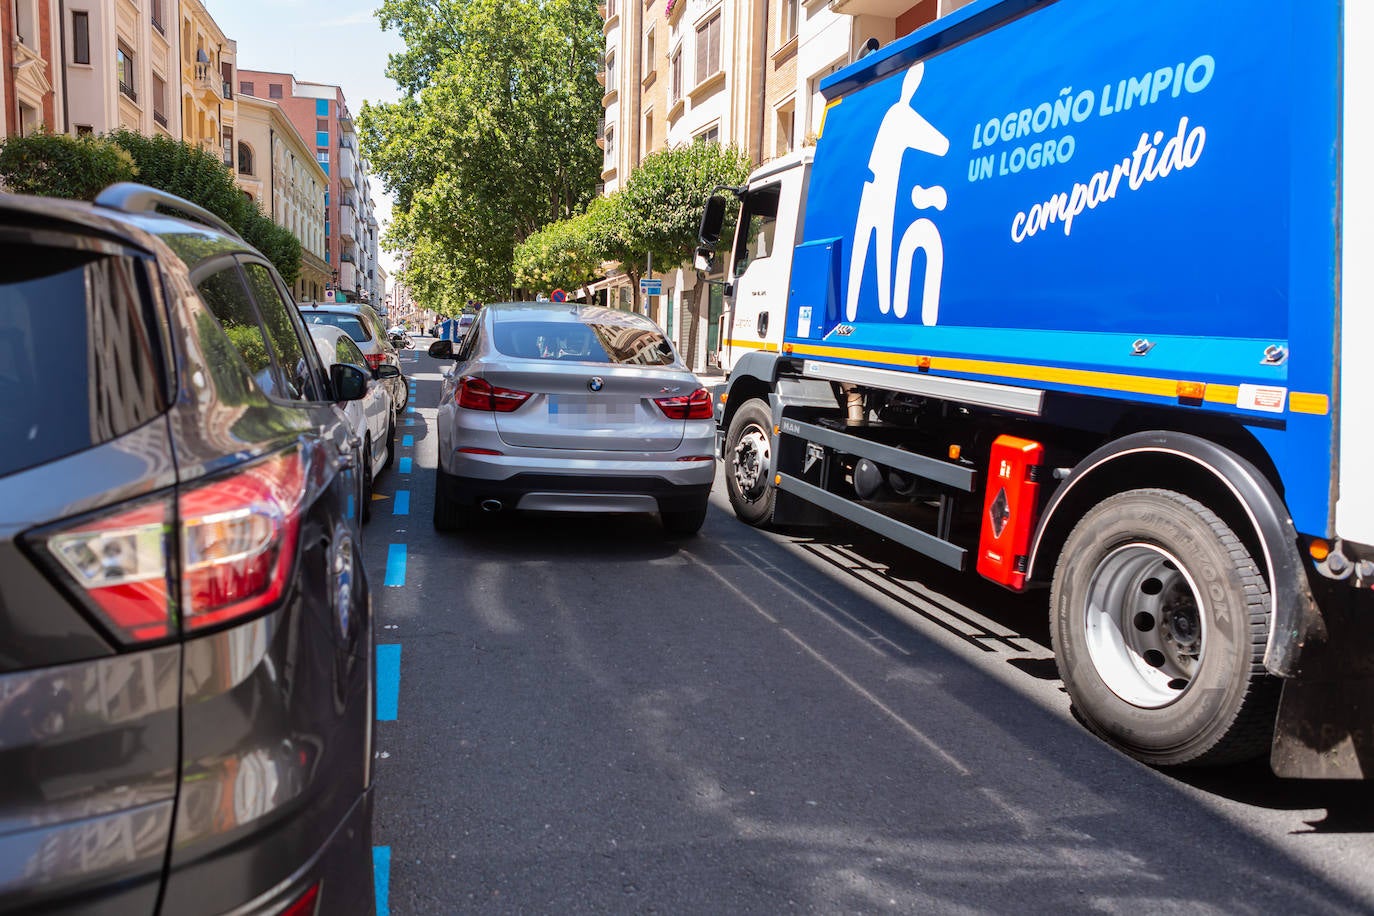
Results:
[1074, 295]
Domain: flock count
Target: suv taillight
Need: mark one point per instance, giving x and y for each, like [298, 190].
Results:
[695, 406]
[479, 394]
[235, 544]
[374, 360]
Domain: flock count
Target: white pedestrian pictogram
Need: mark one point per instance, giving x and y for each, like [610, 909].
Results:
[902, 129]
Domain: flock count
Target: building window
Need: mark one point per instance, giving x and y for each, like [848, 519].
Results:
[274, 90]
[124, 67]
[648, 145]
[709, 135]
[610, 143]
[708, 49]
[245, 88]
[245, 159]
[322, 125]
[675, 87]
[322, 108]
[26, 23]
[81, 37]
[611, 84]
[788, 20]
[159, 100]
[85, 130]
[612, 9]
[784, 127]
[649, 51]
[155, 14]
[227, 141]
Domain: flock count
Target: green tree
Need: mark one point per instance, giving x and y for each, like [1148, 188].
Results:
[561, 255]
[662, 202]
[57, 165]
[493, 140]
[200, 177]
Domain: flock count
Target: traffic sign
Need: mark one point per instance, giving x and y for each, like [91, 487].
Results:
[558, 296]
[651, 287]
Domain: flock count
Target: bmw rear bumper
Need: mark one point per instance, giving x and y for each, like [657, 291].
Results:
[585, 493]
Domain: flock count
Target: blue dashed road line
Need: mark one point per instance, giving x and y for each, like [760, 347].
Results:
[381, 878]
[402, 503]
[410, 421]
[405, 465]
[396, 565]
[388, 681]
[408, 442]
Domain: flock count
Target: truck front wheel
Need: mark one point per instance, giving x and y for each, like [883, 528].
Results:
[1159, 617]
[749, 463]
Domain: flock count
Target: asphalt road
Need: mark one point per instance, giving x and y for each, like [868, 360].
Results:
[592, 717]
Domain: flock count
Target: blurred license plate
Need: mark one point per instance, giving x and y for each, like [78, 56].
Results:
[582, 411]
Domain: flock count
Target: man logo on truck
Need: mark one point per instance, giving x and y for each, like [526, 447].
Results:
[901, 129]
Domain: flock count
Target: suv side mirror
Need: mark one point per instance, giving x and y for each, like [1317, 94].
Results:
[349, 382]
[441, 349]
[386, 370]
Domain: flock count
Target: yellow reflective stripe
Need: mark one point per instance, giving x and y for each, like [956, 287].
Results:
[753, 345]
[1081, 378]
[1301, 402]
[828, 105]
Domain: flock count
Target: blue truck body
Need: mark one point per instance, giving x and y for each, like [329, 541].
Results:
[1103, 175]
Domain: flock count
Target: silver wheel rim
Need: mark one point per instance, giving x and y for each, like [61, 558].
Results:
[751, 461]
[1144, 625]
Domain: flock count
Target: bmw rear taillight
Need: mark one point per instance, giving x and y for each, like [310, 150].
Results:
[478, 394]
[374, 360]
[695, 406]
[233, 549]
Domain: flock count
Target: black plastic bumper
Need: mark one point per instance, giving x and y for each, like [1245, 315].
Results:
[671, 497]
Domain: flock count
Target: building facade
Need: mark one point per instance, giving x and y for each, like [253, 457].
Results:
[276, 167]
[31, 62]
[208, 107]
[320, 113]
[122, 67]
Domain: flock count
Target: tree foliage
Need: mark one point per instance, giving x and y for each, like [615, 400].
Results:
[665, 195]
[562, 255]
[79, 168]
[58, 165]
[200, 177]
[494, 139]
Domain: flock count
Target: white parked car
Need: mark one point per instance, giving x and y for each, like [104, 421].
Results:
[371, 419]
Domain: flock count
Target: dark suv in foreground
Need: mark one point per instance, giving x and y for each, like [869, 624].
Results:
[185, 629]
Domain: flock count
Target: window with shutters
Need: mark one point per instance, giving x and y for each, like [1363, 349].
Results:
[708, 49]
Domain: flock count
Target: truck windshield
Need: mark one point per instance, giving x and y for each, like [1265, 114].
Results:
[757, 227]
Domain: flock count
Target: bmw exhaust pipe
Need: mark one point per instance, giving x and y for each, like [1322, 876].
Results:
[491, 505]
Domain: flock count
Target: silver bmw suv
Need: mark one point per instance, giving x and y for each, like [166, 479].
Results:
[570, 408]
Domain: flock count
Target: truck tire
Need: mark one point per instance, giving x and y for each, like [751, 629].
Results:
[1159, 618]
[749, 463]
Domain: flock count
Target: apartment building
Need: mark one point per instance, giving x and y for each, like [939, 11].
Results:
[320, 114]
[122, 67]
[31, 63]
[208, 108]
[276, 167]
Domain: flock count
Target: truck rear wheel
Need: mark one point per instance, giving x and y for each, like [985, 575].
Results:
[749, 463]
[1159, 618]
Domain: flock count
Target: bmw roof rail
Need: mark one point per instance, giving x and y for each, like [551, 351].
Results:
[130, 197]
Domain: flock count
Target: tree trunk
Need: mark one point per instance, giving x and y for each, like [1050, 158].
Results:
[694, 325]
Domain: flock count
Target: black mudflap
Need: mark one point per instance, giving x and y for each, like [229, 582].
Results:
[1325, 728]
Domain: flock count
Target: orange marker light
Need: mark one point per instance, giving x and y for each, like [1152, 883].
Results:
[954, 452]
[724, 396]
[1191, 391]
[777, 480]
[1319, 549]
[923, 362]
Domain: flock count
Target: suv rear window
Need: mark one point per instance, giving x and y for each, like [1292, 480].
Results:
[586, 342]
[354, 326]
[77, 366]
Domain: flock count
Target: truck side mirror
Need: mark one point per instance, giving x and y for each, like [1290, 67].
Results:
[712, 220]
[704, 260]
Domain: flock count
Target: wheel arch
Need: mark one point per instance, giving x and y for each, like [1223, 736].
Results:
[1227, 483]
[754, 376]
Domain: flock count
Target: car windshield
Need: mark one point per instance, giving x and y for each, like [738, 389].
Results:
[592, 342]
[351, 324]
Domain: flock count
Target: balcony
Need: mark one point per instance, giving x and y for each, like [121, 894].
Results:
[601, 132]
[128, 90]
[206, 78]
[160, 118]
[887, 9]
[348, 167]
[348, 277]
[348, 224]
[601, 69]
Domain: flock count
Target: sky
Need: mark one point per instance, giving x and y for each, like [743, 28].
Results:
[321, 41]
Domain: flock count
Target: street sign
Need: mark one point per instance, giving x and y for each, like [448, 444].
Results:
[651, 287]
[558, 296]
